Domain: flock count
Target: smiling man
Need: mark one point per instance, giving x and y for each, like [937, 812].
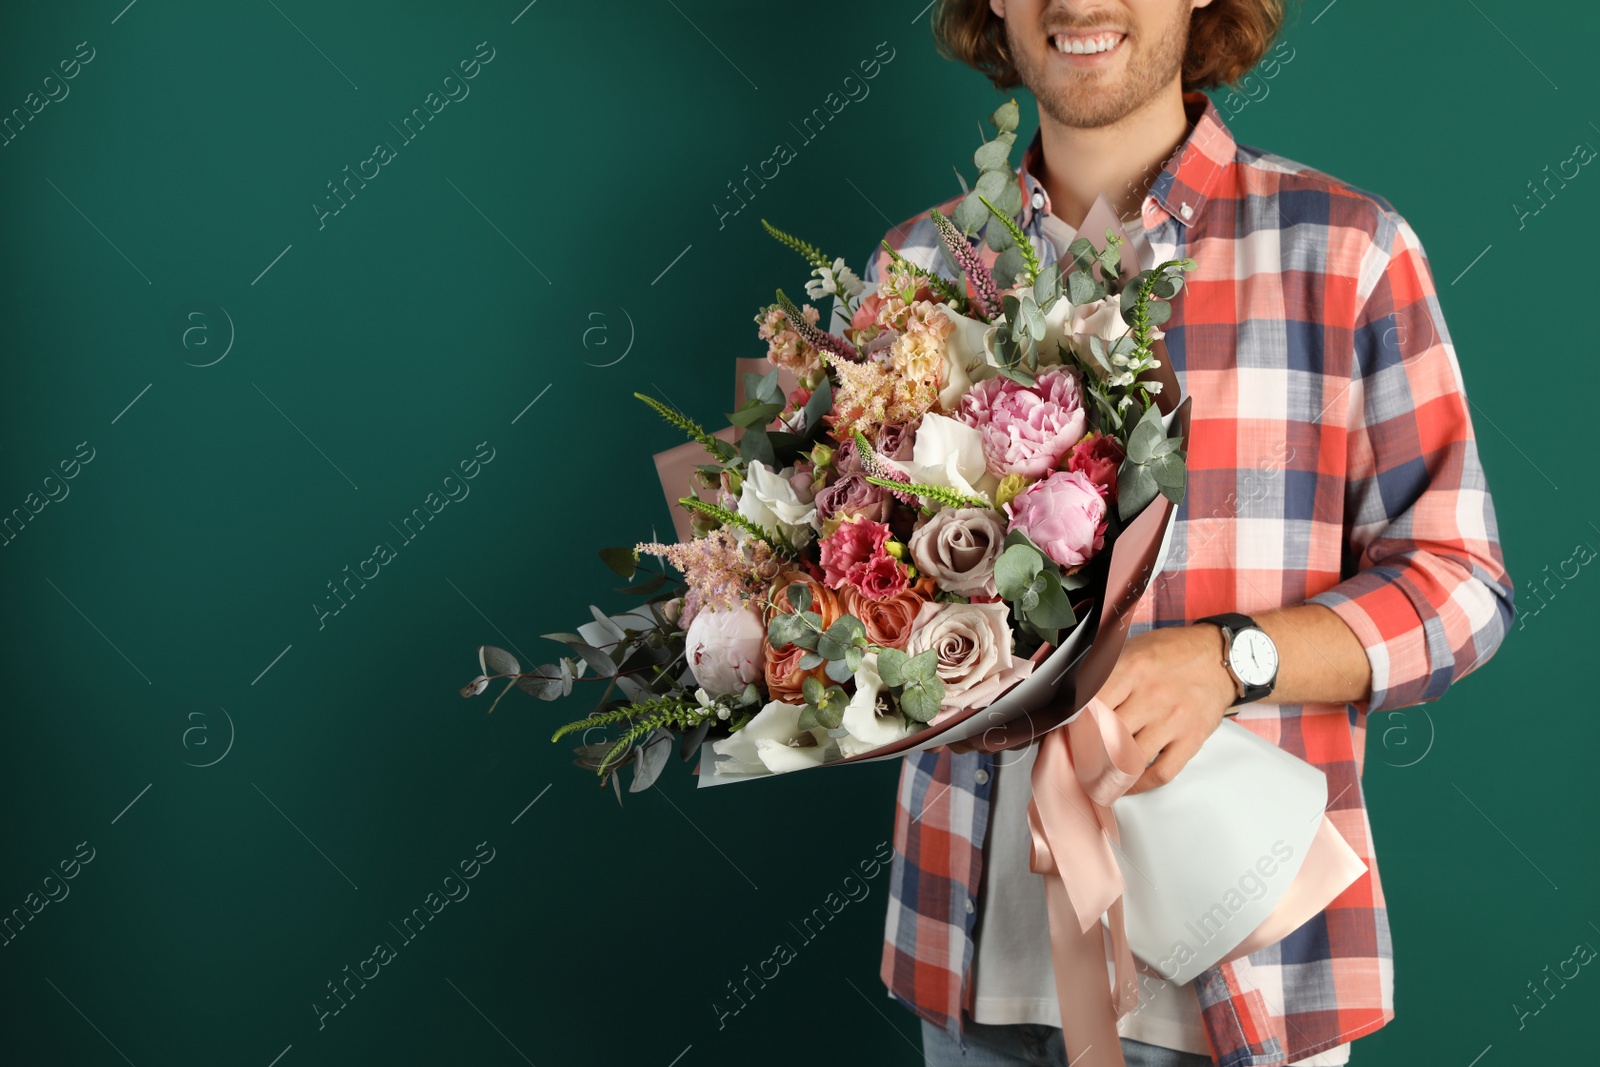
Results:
[1336, 553]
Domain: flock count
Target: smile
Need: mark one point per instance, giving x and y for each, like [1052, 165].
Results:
[1079, 44]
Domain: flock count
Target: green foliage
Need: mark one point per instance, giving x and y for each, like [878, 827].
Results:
[1031, 582]
[1018, 238]
[915, 681]
[1155, 463]
[942, 494]
[776, 541]
[716, 446]
[811, 252]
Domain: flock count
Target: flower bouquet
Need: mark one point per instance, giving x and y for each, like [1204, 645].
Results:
[917, 526]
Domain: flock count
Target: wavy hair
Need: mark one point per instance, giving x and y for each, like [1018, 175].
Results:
[1226, 40]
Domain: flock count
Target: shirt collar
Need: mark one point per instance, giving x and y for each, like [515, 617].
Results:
[1186, 179]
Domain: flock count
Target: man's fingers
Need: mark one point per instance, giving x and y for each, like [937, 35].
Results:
[1173, 758]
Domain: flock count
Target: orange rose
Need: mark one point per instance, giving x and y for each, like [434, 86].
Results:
[888, 622]
[782, 666]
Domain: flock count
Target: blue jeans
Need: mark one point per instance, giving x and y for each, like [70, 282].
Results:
[1030, 1044]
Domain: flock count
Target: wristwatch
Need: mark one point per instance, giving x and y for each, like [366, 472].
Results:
[1249, 656]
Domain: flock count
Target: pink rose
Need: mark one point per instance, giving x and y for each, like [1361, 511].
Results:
[1026, 428]
[1064, 515]
[1097, 457]
[853, 496]
[895, 440]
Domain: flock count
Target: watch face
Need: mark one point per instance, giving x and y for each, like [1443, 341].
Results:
[1254, 657]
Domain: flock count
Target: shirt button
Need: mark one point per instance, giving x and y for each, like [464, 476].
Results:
[1187, 210]
[970, 906]
[1038, 199]
[980, 776]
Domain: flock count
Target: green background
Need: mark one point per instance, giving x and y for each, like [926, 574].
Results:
[560, 216]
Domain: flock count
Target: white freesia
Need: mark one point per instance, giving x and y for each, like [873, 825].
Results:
[768, 499]
[865, 729]
[773, 740]
[836, 280]
[949, 453]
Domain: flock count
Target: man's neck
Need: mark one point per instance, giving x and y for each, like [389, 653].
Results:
[1120, 160]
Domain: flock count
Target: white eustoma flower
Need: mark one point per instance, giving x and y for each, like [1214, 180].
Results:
[772, 741]
[949, 453]
[768, 499]
[865, 729]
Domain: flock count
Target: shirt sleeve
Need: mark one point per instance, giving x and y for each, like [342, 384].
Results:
[1425, 587]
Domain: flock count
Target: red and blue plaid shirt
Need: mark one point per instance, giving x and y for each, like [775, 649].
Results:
[1332, 460]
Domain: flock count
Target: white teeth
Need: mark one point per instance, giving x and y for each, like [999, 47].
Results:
[1090, 46]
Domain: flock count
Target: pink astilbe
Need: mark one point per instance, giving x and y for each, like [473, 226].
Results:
[985, 297]
[869, 395]
[721, 570]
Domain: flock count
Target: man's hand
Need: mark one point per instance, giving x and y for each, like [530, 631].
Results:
[1171, 690]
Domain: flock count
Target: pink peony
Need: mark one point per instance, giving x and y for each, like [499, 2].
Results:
[1026, 428]
[1064, 515]
[1097, 457]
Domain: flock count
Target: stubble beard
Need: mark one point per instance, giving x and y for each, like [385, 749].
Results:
[1073, 105]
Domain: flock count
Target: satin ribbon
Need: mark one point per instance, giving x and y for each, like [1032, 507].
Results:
[1078, 773]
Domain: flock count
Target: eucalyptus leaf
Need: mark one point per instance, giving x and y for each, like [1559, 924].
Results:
[1082, 289]
[812, 689]
[839, 669]
[620, 560]
[1015, 571]
[969, 215]
[1136, 487]
[1146, 435]
[1054, 610]
[1159, 311]
[497, 661]
[991, 155]
[1005, 116]
[810, 661]
[756, 447]
[892, 666]
[920, 701]
[652, 758]
[799, 594]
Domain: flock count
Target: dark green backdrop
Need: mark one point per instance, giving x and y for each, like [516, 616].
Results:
[264, 789]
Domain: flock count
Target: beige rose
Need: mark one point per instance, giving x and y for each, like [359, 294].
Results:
[973, 647]
[957, 548]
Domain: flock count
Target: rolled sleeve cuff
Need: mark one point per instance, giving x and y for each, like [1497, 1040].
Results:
[1410, 658]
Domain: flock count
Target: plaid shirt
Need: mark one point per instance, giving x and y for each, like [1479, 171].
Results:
[1332, 461]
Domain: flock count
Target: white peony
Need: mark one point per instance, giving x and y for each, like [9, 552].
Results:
[769, 500]
[723, 647]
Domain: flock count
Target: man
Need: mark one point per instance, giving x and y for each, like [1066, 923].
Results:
[1336, 513]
